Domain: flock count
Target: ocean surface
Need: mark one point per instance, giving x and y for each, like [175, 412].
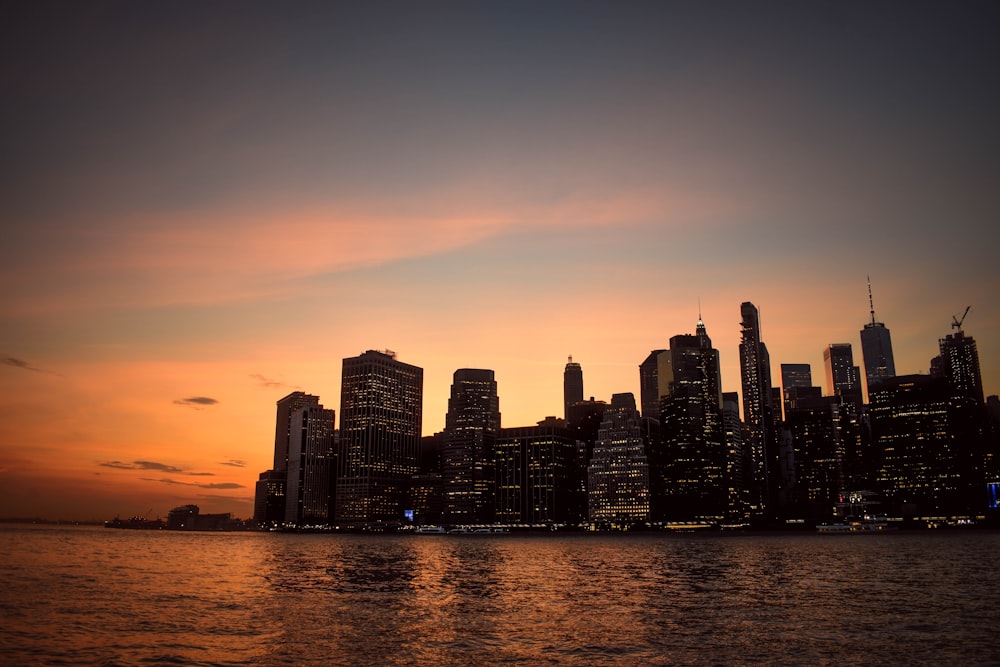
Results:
[92, 596]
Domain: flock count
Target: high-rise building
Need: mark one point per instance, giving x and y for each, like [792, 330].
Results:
[876, 348]
[812, 427]
[794, 375]
[572, 386]
[736, 463]
[652, 381]
[960, 366]
[537, 475]
[269, 498]
[381, 404]
[843, 378]
[689, 473]
[755, 372]
[310, 475]
[618, 475]
[282, 424]
[468, 460]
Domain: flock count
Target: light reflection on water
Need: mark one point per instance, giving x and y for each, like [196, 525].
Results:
[90, 596]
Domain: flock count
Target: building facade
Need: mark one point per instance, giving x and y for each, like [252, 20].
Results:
[468, 460]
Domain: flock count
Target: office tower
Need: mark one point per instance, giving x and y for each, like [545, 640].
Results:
[755, 372]
[269, 496]
[427, 488]
[572, 386]
[876, 348]
[920, 471]
[538, 475]
[310, 465]
[843, 378]
[794, 375]
[960, 366]
[380, 421]
[652, 382]
[282, 424]
[470, 432]
[690, 469]
[736, 463]
[618, 475]
[813, 430]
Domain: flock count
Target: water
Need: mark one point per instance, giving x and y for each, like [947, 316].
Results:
[90, 596]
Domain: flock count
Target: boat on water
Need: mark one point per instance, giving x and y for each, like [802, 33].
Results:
[430, 530]
[135, 523]
[857, 526]
[459, 530]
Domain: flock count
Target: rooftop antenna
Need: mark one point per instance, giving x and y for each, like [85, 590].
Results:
[871, 303]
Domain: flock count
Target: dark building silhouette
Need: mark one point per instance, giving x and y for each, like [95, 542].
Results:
[737, 462]
[960, 366]
[468, 460]
[572, 386]
[794, 375]
[843, 378]
[618, 474]
[310, 474]
[755, 371]
[270, 492]
[537, 475]
[688, 472]
[380, 422]
[427, 487]
[876, 349]
[812, 428]
[654, 375]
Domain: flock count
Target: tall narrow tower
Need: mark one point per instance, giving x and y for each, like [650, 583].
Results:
[876, 348]
[468, 461]
[755, 371]
[381, 404]
[572, 386]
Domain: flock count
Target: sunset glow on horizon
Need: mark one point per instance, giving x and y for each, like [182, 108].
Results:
[208, 206]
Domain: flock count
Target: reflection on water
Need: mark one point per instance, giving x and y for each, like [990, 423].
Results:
[97, 597]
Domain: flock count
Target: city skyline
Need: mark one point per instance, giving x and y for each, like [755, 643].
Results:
[206, 210]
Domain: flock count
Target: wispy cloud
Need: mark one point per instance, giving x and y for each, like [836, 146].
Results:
[153, 465]
[236, 463]
[19, 363]
[196, 402]
[209, 485]
[270, 383]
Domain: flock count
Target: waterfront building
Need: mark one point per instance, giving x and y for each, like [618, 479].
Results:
[269, 498]
[960, 366]
[468, 466]
[764, 477]
[381, 403]
[813, 428]
[618, 474]
[310, 474]
[876, 349]
[737, 464]
[688, 472]
[538, 475]
[572, 386]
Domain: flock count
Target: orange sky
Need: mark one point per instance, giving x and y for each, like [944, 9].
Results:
[224, 211]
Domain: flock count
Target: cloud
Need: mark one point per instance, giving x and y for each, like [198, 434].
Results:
[270, 383]
[140, 465]
[236, 463]
[196, 401]
[19, 363]
[210, 485]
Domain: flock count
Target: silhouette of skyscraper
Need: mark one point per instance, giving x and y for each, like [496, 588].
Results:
[308, 497]
[876, 348]
[960, 366]
[651, 384]
[843, 378]
[755, 371]
[471, 428]
[380, 421]
[693, 461]
[618, 475]
[793, 376]
[282, 424]
[537, 474]
[572, 386]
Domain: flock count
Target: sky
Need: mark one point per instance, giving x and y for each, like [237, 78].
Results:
[208, 205]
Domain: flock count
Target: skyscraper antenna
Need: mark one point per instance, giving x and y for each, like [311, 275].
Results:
[871, 303]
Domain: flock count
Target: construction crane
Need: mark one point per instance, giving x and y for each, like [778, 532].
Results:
[956, 322]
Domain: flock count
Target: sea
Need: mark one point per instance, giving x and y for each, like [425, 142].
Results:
[85, 595]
